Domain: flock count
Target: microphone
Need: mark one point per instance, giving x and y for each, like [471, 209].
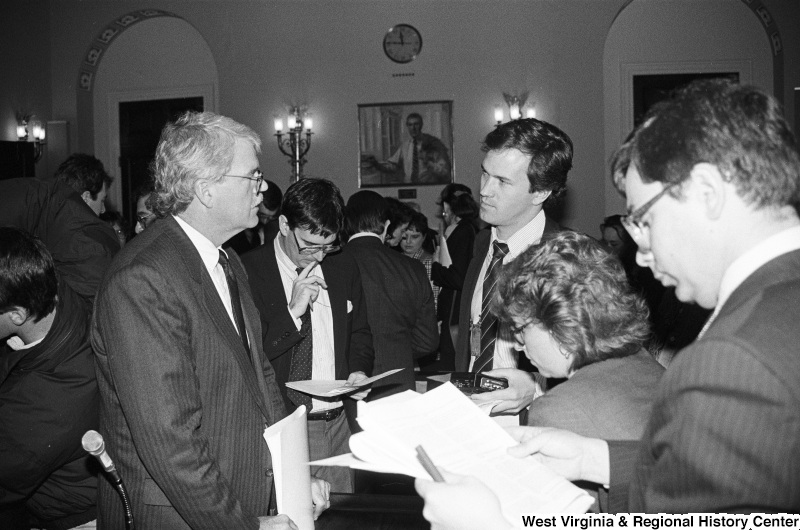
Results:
[93, 444]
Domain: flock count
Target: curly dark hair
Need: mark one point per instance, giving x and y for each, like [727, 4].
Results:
[578, 292]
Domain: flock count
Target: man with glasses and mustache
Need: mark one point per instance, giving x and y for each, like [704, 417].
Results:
[186, 389]
[318, 329]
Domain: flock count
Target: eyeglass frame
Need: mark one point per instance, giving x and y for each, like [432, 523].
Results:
[313, 249]
[144, 219]
[633, 221]
[258, 177]
[517, 331]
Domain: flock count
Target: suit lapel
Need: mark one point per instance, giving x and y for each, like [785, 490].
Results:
[470, 282]
[216, 310]
[784, 268]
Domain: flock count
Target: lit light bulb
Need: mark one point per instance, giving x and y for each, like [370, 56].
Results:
[498, 115]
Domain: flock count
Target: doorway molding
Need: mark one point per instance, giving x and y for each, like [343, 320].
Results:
[113, 99]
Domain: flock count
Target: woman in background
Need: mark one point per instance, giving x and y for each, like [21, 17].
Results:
[416, 244]
[459, 210]
[399, 216]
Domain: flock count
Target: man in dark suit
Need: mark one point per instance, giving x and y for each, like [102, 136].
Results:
[398, 294]
[526, 165]
[712, 180]
[318, 329]
[186, 388]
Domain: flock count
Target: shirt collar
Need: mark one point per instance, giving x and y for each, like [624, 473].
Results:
[365, 234]
[15, 343]
[523, 238]
[746, 264]
[209, 252]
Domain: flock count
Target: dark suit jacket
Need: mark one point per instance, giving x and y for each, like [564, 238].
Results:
[399, 303]
[724, 434]
[183, 406]
[82, 245]
[460, 245]
[352, 338]
[482, 243]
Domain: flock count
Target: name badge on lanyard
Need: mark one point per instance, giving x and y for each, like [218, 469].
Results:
[475, 339]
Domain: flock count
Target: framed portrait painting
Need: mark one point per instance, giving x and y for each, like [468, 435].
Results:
[405, 144]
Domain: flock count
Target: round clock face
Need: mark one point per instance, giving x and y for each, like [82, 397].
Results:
[402, 43]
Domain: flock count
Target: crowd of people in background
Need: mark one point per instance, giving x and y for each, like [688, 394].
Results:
[657, 337]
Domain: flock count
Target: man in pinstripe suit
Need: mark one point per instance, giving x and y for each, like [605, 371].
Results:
[186, 388]
[712, 180]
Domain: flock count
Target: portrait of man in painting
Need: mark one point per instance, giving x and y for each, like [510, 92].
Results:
[402, 144]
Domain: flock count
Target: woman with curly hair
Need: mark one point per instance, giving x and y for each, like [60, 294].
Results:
[576, 316]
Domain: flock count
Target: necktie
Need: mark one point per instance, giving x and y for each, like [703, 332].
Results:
[415, 163]
[489, 324]
[300, 367]
[236, 303]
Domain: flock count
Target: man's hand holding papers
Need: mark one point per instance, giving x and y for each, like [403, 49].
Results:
[571, 455]
[460, 438]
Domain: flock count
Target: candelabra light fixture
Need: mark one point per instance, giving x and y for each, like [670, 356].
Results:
[37, 132]
[295, 146]
[516, 107]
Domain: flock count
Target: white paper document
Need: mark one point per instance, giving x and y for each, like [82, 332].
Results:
[336, 387]
[288, 445]
[459, 438]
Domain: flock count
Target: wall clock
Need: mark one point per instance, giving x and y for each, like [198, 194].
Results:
[402, 43]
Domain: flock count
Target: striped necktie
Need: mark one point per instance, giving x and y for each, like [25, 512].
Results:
[489, 324]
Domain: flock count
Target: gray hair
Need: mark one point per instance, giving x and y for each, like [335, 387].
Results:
[197, 146]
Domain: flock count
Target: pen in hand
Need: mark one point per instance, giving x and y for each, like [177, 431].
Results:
[428, 464]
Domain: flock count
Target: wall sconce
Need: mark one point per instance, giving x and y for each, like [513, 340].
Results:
[37, 130]
[295, 147]
[516, 107]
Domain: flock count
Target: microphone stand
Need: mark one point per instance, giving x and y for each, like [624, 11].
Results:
[116, 480]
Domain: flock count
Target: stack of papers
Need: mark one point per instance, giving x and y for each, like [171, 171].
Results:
[336, 387]
[288, 445]
[459, 438]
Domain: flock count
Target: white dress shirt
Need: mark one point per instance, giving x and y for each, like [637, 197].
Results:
[209, 253]
[323, 363]
[505, 351]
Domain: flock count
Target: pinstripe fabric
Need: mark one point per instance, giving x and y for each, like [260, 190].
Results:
[183, 407]
[724, 434]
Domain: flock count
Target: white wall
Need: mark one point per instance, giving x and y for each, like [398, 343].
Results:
[160, 58]
[676, 36]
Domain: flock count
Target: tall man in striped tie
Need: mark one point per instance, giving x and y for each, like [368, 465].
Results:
[526, 165]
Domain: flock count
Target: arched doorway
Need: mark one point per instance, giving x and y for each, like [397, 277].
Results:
[675, 37]
[150, 70]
